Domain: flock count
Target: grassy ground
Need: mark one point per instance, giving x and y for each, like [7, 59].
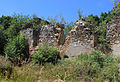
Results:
[84, 69]
[69, 71]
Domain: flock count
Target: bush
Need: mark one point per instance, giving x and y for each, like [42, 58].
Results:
[98, 65]
[45, 54]
[15, 50]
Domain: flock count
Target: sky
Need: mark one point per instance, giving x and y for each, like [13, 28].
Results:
[44, 8]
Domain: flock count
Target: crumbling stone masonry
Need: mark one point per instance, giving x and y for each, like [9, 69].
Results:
[113, 35]
[80, 40]
[52, 34]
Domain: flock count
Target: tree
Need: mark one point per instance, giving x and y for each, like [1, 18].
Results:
[93, 19]
[5, 21]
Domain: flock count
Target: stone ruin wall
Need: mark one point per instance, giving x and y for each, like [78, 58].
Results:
[113, 35]
[79, 40]
[52, 34]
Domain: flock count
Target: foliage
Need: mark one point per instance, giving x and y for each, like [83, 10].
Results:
[37, 22]
[21, 20]
[5, 21]
[93, 67]
[116, 8]
[3, 41]
[93, 19]
[10, 27]
[45, 54]
[60, 19]
[16, 50]
[100, 25]
[98, 65]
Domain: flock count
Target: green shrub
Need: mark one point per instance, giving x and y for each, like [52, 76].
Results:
[45, 54]
[98, 65]
[15, 50]
[84, 69]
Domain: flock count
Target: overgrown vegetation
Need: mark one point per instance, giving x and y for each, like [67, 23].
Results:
[10, 28]
[101, 25]
[16, 50]
[45, 54]
[45, 64]
[87, 67]
[99, 65]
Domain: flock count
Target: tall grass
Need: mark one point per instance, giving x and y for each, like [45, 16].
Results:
[86, 68]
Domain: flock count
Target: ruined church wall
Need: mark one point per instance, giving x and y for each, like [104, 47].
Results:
[113, 35]
[80, 40]
[50, 33]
